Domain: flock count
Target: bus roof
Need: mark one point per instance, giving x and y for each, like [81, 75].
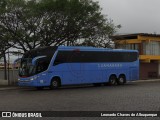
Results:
[52, 49]
[92, 49]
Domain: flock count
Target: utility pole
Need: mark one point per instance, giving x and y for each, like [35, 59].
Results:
[8, 68]
[5, 65]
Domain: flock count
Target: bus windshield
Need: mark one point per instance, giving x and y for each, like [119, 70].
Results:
[28, 69]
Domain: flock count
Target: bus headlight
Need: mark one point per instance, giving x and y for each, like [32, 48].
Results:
[33, 78]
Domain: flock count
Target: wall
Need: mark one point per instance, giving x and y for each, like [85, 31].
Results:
[159, 69]
[13, 76]
[148, 70]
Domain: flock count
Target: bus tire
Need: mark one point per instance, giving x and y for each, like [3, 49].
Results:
[121, 80]
[112, 80]
[55, 83]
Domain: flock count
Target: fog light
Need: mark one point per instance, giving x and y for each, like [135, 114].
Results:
[33, 78]
[41, 81]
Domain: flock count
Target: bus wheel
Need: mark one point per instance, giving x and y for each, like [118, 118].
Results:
[121, 80]
[55, 83]
[113, 80]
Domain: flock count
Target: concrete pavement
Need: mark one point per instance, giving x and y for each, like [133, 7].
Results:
[134, 96]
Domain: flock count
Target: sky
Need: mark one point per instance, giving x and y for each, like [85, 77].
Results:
[135, 16]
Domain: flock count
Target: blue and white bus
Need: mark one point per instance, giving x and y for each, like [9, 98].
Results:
[57, 66]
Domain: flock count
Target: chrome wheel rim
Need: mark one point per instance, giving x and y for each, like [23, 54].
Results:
[54, 83]
[113, 81]
[121, 80]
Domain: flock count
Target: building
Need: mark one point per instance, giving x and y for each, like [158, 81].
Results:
[11, 66]
[148, 46]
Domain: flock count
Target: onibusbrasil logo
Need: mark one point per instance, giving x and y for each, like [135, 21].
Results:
[20, 114]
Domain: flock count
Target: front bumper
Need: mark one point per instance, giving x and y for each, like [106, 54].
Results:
[28, 83]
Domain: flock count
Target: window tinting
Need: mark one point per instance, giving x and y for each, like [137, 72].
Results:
[94, 56]
[46, 51]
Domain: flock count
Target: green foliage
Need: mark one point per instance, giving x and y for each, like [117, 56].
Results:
[29, 24]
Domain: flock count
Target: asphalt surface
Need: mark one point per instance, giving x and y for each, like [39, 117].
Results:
[134, 96]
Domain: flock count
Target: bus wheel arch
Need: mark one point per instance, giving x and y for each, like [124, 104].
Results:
[121, 79]
[113, 79]
[55, 82]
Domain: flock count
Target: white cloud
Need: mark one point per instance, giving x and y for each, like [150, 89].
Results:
[134, 15]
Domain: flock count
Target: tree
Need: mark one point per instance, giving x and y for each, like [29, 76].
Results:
[4, 46]
[80, 22]
[34, 23]
[15, 22]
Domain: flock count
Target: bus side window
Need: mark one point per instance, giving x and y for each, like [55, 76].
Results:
[42, 66]
[60, 58]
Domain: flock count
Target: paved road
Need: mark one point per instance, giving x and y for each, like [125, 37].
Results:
[138, 96]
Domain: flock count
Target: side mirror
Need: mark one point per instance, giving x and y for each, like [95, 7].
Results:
[18, 60]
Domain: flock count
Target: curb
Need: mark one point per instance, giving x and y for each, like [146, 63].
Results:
[137, 81]
[9, 88]
[152, 80]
